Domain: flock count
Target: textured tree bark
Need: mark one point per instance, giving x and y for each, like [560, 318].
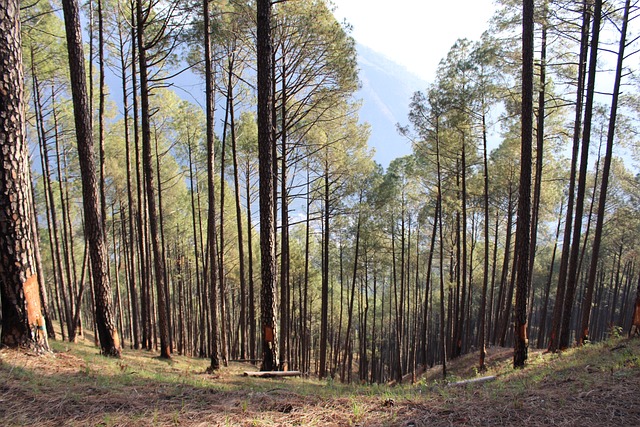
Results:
[482, 315]
[537, 187]
[101, 110]
[583, 332]
[52, 222]
[211, 226]
[523, 225]
[41, 284]
[152, 210]
[424, 331]
[66, 243]
[635, 323]
[463, 261]
[572, 275]
[284, 234]
[221, 251]
[109, 340]
[443, 341]
[566, 243]
[143, 253]
[325, 280]
[241, 259]
[135, 323]
[21, 312]
[347, 347]
[267, 202]
[252, 303]
[542, 322]
[500, 302]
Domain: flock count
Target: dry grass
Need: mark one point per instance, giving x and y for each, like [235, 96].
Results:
[594, 386]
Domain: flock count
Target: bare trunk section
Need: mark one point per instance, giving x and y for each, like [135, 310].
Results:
[572, 276]
[583, 331]
[152, 209]
[21, 311]
[566, 243]
[267, 184]
[109, 340]
[211, 225]
[521, 341]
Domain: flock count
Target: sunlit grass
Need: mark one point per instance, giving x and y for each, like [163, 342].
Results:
[142, 389]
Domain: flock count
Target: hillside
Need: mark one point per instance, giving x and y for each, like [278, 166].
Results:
[594, 386]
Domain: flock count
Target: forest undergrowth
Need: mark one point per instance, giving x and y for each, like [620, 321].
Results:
[596, 385]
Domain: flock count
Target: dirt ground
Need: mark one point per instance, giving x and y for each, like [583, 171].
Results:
[64, 388]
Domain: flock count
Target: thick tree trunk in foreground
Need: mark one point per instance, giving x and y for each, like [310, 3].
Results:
[521, 341]
[21, 313]
[109, 340]
[266, 160]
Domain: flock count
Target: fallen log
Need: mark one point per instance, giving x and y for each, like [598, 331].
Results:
[473, 381]
[272, 374]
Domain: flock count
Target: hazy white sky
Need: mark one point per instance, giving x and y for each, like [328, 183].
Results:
[415, 33]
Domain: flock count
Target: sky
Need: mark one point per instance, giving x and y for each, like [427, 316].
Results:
[416, 34]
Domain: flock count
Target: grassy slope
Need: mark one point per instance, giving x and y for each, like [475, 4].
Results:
[597, 385]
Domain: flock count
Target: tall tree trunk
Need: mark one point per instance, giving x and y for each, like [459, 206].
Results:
[521, 342]
[241, 256]
[306, 332]
[152, 209]
[101, 110]
[374, 329]
[503, 300]
[284, 232]
[443, 341]
[65, 246]
[252, 303]
[324, 293]
[21, 310]
[135, 322]
[537, 187]
[566, 243]
[485, 275]
[163, 247]
[143, 253]
[428, 286]
[211, 225]
[267, 184]
[494, 265]
[196, 246]
[583, 331]
[463, 260]
[542, 322]
[634, 330]
[572, 276]
[398, 306]
[222, 280]
[347, 336]
[44, 299]
[109, 340]
[54, 240]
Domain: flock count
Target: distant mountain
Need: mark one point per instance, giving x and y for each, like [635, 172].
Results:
[386, 91]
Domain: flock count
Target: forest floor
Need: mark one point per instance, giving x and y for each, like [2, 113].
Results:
[597, 385]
